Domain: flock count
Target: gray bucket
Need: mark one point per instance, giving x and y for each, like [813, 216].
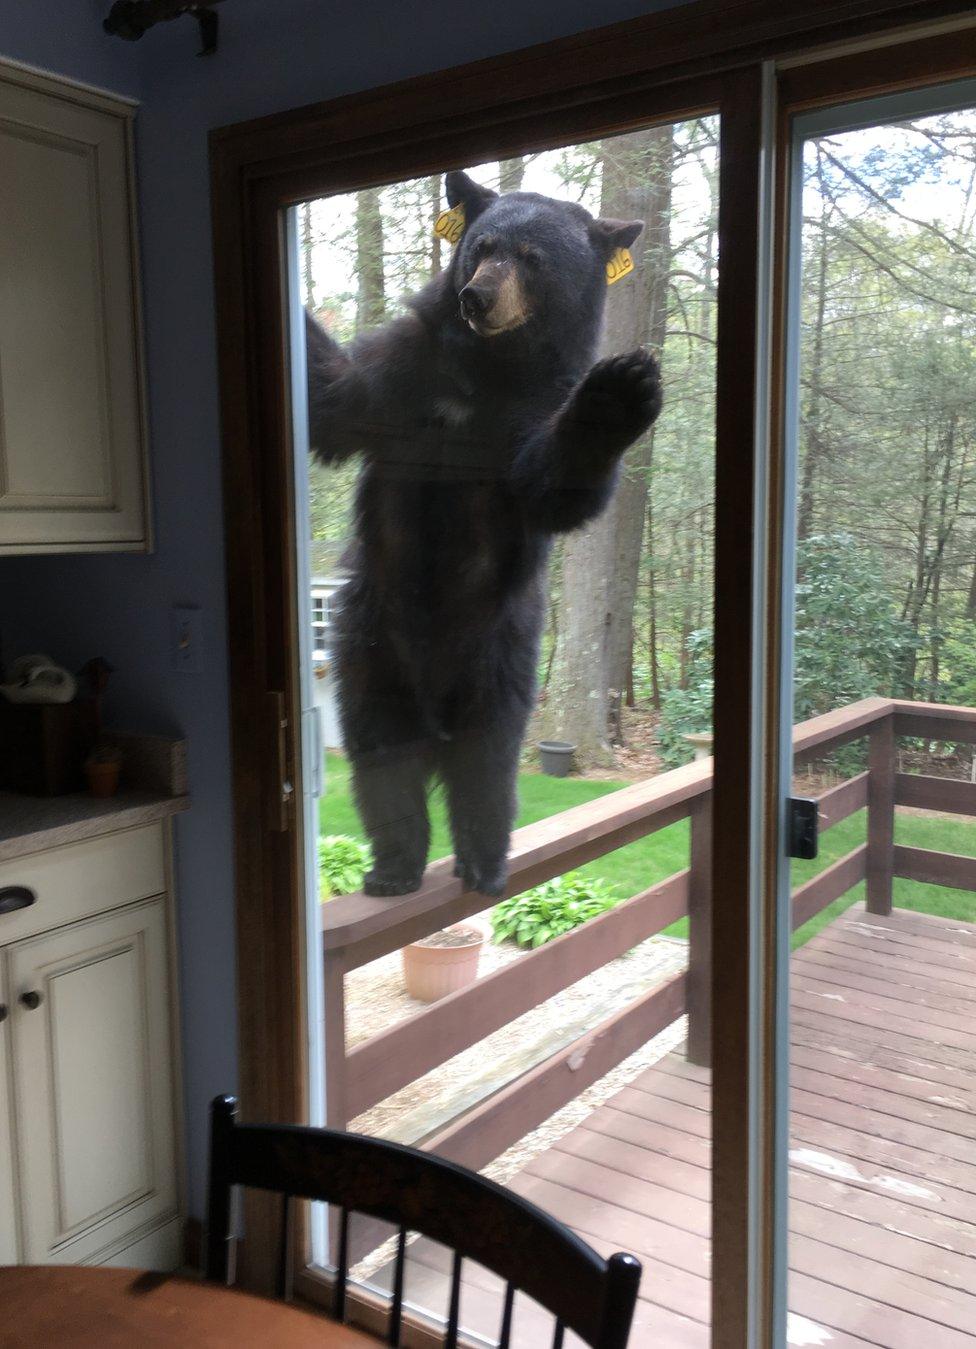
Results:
[557, 757]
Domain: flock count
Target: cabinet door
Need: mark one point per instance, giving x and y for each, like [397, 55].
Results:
[71, 423]
[9, 1252]
[93, 1084]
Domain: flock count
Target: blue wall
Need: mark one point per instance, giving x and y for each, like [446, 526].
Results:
[119, 607]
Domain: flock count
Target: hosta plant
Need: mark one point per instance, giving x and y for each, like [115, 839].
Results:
[550, 909]
[343, 862]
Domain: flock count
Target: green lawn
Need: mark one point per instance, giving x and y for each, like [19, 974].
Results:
[653, 859]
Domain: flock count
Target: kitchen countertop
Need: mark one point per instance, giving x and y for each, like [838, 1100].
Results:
[154, 786]
[30, 824]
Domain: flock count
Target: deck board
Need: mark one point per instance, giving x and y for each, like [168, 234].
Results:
[883, 1157]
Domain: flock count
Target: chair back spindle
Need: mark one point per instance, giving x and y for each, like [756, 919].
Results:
[342, 1266]
[283, 1281]
[505, 1332]
[454, 1306]
[399, 1274]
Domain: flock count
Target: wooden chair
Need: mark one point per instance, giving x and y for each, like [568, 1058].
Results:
[418, 1192]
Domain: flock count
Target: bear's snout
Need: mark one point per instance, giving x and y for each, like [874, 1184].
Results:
[475, 301]
[494, 301]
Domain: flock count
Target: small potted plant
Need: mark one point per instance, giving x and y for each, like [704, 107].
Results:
[102, 768]
[445, 961]
[556, 757]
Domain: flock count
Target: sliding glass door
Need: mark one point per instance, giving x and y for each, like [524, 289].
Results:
[879, 554]
[547, 1034]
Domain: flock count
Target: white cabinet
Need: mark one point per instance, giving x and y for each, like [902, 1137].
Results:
[87, 1063]
[9, 1245]
[72, 435]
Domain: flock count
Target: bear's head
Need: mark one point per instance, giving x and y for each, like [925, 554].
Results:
[526, 261]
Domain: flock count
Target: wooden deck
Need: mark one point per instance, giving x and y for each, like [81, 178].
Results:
[883, 1159]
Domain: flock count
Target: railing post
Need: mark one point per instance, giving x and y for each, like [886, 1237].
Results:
[699, 1048]
[881, 815]
[334, 1011]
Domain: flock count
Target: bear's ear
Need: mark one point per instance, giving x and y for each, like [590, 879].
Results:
[464, 191]
[609, 235]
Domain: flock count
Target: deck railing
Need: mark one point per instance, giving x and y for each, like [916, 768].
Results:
[357, 929]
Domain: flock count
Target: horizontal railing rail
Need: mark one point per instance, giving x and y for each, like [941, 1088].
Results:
[363, 927]
[357, 928]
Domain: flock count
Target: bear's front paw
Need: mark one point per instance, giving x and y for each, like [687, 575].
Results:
[620, 398]
[386, 883]
[484, 880]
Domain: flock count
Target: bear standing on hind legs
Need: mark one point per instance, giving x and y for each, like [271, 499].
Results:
[484, 428]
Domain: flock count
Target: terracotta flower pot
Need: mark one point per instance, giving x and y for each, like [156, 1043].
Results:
[102, 776]
[443, 962]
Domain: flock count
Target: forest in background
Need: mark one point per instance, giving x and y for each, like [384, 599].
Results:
[886, 510]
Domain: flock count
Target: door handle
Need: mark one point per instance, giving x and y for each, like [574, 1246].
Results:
[314, 748]
[281, 793]
[31, 1000]
[4, 1013]
[14, 897]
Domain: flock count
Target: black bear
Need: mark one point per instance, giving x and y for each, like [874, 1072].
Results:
[485, 428]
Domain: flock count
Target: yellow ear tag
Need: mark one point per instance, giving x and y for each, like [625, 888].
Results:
[621, 264]
[449, 225]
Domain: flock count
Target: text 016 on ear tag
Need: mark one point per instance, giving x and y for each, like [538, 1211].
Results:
[449, 225]
[621, 264]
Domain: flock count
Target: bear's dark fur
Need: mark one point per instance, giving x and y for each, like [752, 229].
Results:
[485, 429]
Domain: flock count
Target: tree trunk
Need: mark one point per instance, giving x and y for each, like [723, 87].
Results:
[601, 564]
[371, 298]
[576, 699]
[510, 174]
[640, 318]
[814, 450]
[652, 612]
[436, 257]
[308, 279]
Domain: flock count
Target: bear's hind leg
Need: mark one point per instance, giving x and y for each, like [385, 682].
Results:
[480, 772]
[390, 787]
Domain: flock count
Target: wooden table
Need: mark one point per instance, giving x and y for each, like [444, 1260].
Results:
[70, 1305]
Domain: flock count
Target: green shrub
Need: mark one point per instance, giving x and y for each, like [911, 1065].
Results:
[850, 643]
[343, 862]
[549, 910]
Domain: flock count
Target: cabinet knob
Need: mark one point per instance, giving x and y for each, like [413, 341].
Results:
[3, 1011]
[31, 1000]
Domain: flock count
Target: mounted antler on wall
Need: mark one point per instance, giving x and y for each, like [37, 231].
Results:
[131, 18]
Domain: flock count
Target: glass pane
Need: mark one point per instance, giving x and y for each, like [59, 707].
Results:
[883, 994]
[501, 636]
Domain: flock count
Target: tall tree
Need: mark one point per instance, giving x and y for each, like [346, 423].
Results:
[371, 293]
[637, 317]
[307, 249]
[600, 563]
[510, 173]
[815, 450]
[435, 245]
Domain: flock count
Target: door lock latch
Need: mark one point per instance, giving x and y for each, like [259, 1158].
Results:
[803, 816]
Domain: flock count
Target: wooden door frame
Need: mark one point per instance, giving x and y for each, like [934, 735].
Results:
[700, 57]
